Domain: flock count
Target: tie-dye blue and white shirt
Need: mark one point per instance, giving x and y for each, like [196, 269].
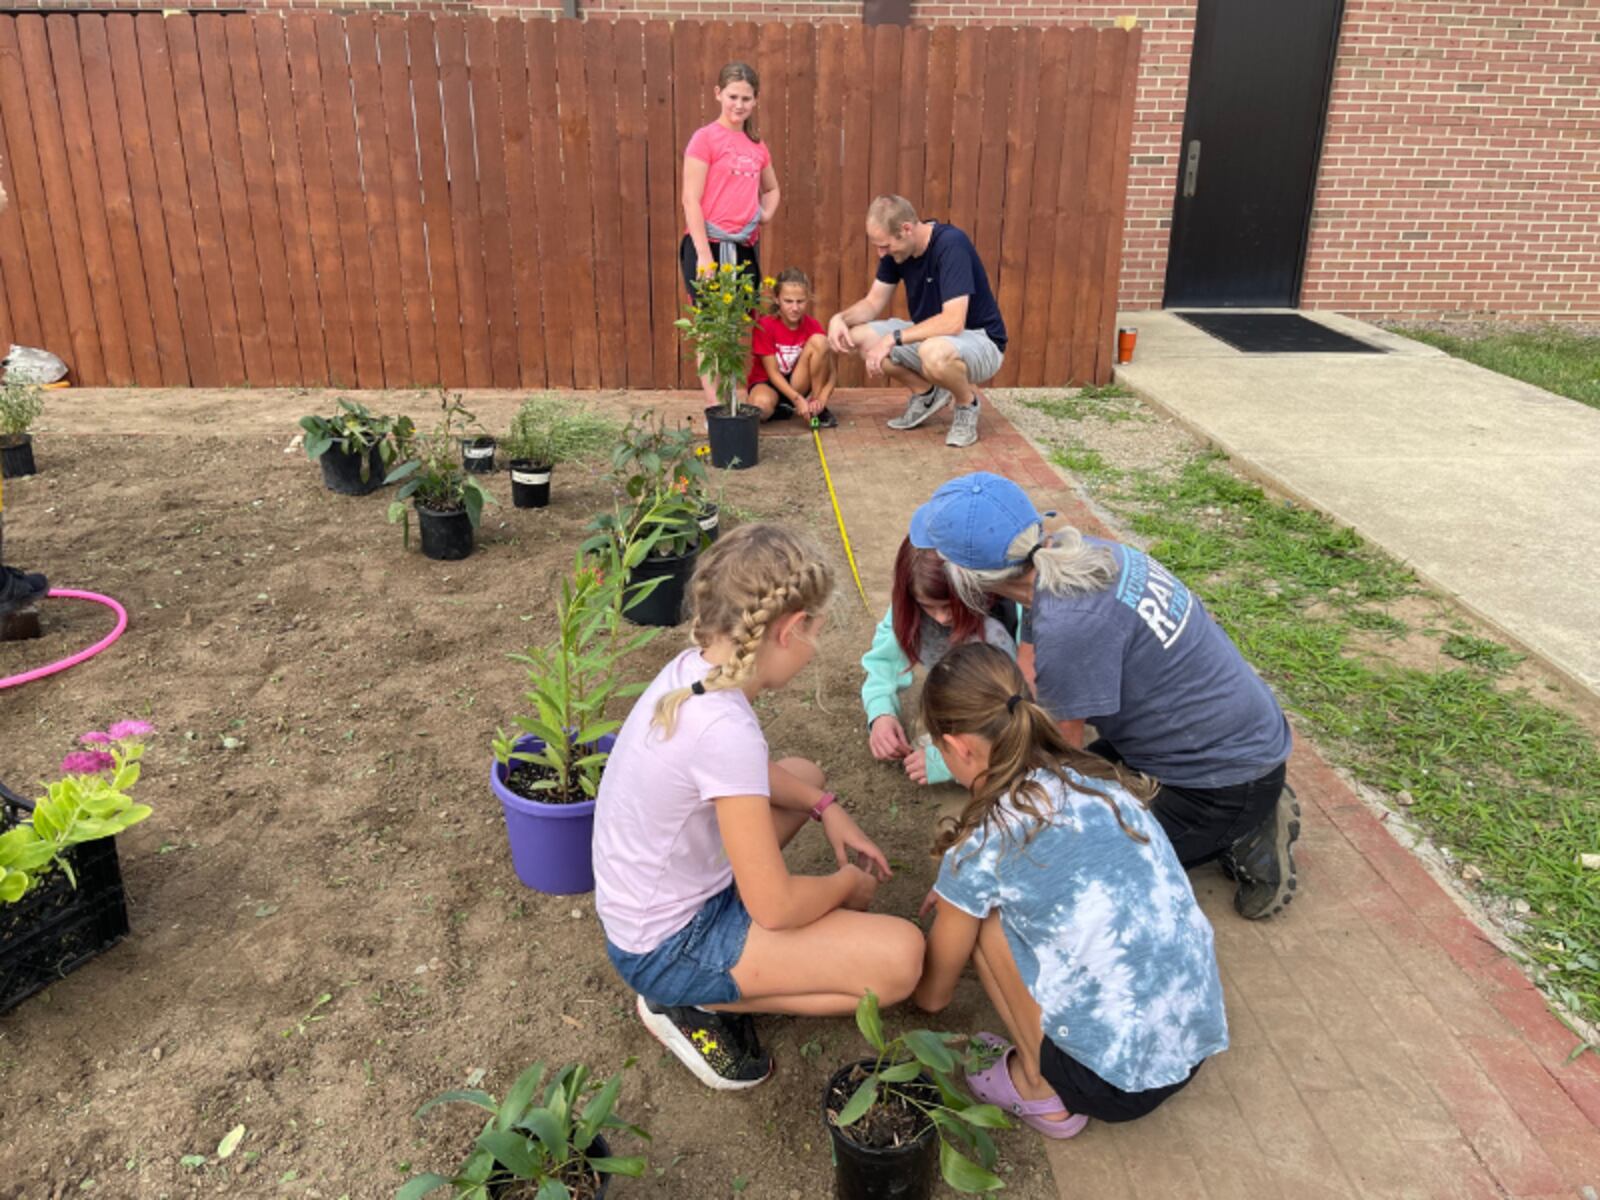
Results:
[1106, 934]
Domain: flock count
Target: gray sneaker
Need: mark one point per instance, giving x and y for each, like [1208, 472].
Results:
[920, 407]
[963, 426]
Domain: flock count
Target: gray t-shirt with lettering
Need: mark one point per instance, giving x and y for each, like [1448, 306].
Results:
[1158, 678]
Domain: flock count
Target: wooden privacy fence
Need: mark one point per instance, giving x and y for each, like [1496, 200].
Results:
[396, 201]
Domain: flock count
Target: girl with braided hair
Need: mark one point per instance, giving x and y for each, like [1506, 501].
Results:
[1059, 886]
[701, 914]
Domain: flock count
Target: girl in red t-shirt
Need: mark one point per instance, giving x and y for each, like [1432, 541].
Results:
[729, 188]
[791, 366]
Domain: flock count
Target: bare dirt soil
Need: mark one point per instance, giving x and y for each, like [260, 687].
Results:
[323, 827]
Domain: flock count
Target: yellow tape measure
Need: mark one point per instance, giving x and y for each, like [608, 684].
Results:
[844, 536]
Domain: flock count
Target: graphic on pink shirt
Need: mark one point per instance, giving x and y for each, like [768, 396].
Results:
[731, 201]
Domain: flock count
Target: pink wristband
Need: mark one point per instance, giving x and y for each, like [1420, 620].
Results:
[822, 805]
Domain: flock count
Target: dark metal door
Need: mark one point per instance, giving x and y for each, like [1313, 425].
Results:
[1258, 93]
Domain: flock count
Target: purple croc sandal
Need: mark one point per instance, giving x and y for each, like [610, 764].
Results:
[994, 1086]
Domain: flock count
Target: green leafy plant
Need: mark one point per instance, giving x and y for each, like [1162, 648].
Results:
[354, 429]
[661, 482]
[967, 1154]
[20, 406]
[548, 430]
[717, 324]
[432, 473]
[572, 678]
[89, 802]
[547, 1145]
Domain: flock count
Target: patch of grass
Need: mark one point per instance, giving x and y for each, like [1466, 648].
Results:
[1082, 461]
[1481, 652]
[1108, 403]
[1507, 783]
[1556, 359]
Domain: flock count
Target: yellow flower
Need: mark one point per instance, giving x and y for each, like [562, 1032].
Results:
[727, 268]
[748, 318]
[705, 269]
[769, 282]
[728, 299]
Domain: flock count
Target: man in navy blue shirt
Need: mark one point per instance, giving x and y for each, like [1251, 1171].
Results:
[955, 338]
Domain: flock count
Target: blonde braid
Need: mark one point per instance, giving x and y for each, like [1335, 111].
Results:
[734, 596]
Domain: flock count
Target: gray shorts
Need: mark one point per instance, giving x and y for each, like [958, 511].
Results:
[977, 350]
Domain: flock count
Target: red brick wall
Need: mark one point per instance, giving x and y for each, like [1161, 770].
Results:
[1459, 174]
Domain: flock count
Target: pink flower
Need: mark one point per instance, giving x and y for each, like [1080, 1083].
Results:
[87, 762]
[95, 738]
[130, 729]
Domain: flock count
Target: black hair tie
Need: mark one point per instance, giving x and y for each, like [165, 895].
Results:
[698, 688]
[1011, 704]
[1037, 546]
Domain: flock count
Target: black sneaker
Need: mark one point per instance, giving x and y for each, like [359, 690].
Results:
[826, 420]
[720, 1048]
[1263, 861]
[784, 409]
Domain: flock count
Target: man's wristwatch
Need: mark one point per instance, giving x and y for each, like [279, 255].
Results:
[897, 339]
[822, 805]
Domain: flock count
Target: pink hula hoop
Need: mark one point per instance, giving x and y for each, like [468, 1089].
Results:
[82, 655]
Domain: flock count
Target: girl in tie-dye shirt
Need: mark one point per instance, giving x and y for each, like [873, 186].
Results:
[1063, 891]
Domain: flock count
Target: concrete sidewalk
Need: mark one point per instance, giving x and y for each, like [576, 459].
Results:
[1485, 485]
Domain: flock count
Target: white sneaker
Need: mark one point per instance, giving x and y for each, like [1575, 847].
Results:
[963, 427]
[920, 407]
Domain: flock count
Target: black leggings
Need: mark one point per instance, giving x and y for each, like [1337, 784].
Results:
[686, 259]
[1203, 823]
[1082, 1091]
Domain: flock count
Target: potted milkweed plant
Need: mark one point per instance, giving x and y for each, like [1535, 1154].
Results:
[553, 1148]
[661, 489]
[717, 324]
[546, 775]
[895, 1114]
[61, 898]
[546, 431]
[355, 447]
[448, 500]
[20, 406]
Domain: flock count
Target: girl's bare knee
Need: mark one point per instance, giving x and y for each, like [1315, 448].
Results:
[902, 950]
[804, 770]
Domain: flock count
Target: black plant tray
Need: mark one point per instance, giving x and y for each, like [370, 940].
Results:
[56, 928]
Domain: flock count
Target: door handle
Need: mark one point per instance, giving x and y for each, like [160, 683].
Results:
[1191, 168]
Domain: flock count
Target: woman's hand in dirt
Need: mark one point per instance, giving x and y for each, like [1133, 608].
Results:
[916, 765]
[846, 838]
[863, 887]
[887, 738]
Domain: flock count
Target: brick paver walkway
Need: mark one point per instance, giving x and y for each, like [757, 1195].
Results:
[1382, 1046]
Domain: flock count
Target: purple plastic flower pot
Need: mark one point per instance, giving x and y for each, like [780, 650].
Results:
[550, 843]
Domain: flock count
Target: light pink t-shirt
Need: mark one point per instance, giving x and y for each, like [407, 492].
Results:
[732, 198]
[658, 853]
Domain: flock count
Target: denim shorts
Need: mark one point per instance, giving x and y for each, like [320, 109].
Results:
[694, 965]
[974, 347]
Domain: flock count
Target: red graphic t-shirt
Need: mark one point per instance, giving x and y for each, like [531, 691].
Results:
[772, 336]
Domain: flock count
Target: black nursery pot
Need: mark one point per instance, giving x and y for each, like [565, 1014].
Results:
[906, 1172]
[341, 470]
[664, 605]
[445, 535]
[709, 521]
[477, 454]
[735, 440]
[16, 457]
[530, 483]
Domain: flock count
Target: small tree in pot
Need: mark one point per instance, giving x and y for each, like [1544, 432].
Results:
[717, 324]
[546, 431]
[554, 1150]
[449, 502]
[355, 446]
[886, 1112]
[20, 406]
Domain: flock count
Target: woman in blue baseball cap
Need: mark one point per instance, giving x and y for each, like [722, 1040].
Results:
[1121, 643]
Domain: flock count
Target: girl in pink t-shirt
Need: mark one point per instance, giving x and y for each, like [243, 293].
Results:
[729, 187]
[702, 916]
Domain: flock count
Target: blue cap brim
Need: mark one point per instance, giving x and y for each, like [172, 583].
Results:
[918, 533]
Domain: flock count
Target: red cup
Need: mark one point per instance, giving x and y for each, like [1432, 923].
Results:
[1126, 337]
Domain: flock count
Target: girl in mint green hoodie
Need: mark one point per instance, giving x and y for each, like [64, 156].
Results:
[924, 620]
